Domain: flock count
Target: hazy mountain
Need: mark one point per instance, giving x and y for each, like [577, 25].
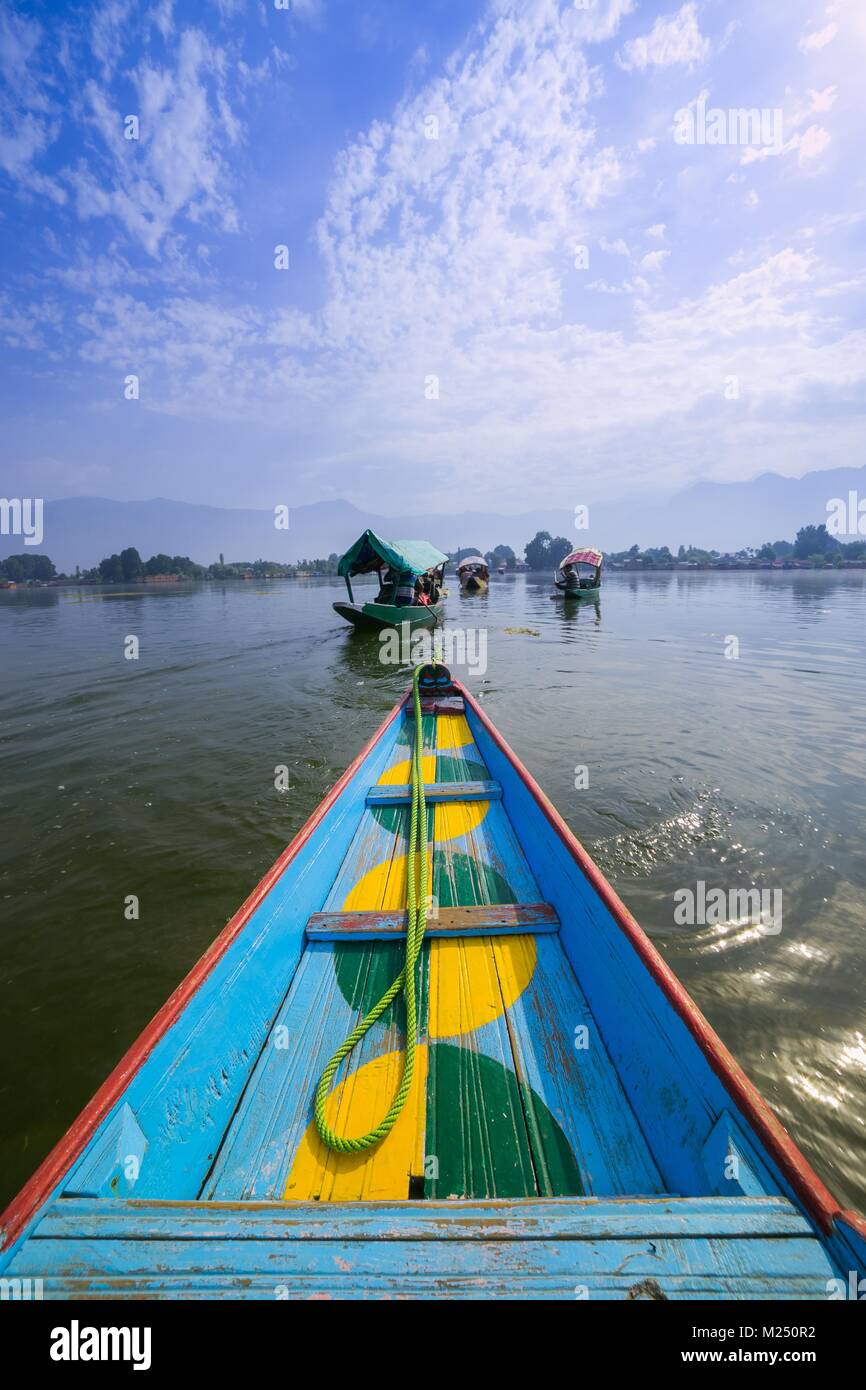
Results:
[726, 516]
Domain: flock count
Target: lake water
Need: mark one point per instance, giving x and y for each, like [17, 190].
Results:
[155, 777]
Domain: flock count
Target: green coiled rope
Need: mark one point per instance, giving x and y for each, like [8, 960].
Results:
[405, 981]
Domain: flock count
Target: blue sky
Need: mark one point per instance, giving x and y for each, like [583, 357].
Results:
[434, 169]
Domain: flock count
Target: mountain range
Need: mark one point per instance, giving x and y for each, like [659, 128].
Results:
[720, 516]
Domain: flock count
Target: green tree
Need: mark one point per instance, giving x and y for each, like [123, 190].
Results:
[130, 561]
[21, 568]
[537, 551]
[182, 564]
[501, 555]
[560, 546]
[111, 570]
[814, 540]
[158, 564]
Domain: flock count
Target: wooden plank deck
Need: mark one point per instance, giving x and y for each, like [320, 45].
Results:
[572, 1218]
[566, 1248]
[507, 1102]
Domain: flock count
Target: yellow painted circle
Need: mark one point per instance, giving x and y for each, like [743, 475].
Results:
[473, 980]
[400, 775]
[356, 1105]
[452, 732]
[384, 886]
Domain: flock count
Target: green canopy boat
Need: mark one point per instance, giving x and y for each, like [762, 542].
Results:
[409, 589]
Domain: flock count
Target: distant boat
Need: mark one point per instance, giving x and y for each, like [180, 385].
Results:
[573, 1122]
[410, 577]
[579, 575]
[474, 575]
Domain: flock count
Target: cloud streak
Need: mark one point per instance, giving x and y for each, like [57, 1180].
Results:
[673, 39]
[579, 289]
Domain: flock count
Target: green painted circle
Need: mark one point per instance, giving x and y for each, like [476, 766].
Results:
[490, 1134]
[460, 881]
[364, 970]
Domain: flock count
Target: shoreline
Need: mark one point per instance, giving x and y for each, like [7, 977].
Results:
[638, 571]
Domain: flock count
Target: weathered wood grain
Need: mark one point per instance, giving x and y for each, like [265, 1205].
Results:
[401, 795]
[562, 1218]
[486, 919]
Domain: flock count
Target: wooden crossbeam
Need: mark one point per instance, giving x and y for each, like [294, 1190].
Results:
[438, 704]
[488, 919]
[400, 794]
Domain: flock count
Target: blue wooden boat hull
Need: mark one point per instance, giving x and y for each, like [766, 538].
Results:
[649, 1166]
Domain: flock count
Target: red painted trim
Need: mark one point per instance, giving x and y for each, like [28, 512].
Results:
[854, 1220]
[58, 1162]
[816, 1198]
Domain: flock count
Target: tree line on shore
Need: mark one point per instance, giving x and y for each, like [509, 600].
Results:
[812, 545]
[127, 567]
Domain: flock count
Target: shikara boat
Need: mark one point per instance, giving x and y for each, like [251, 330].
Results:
[409, 570]
[573, 1129]
[474, 575]
[579, 575]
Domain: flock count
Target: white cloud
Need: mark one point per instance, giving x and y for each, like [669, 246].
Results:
[654, 260]
[21, 147]
[163, 18]
[636, 286]
[818, 39]
[109, 33]
[592, 23]
[456, 257]
[733, 27]
[807, 145]
[513, 389]
[176, 167]
[816, 104]
[27, 329]
[30, 116]
[812, 143]
[674, 38]
[485, 217]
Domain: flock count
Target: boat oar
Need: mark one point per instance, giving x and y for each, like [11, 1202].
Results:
[405, 981]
